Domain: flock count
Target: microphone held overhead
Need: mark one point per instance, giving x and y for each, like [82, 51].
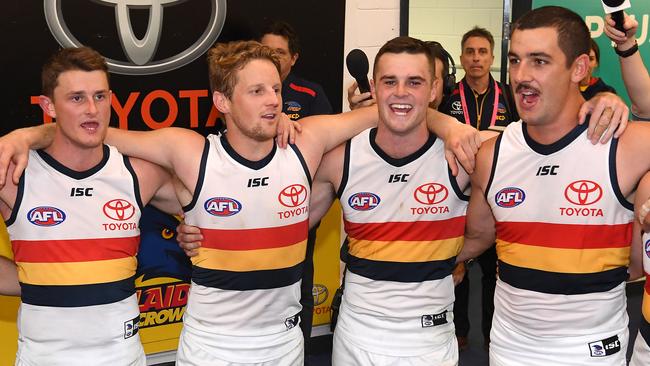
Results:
[357, 63]
[615, 9]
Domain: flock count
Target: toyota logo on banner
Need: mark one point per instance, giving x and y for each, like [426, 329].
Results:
[140, 52]
[583, 192]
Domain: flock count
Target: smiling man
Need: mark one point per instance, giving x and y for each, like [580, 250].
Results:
[558, 207]
[404, 214]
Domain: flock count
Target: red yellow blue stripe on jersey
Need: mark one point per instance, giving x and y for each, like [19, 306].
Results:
[67, 273]
[405, 251]
[249, 259]
[562, 258]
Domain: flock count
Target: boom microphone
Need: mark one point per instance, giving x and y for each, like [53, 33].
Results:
[615, 8]
[357, 63]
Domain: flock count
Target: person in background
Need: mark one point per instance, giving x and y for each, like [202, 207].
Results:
[480, 101]
[301, 98]
[592, 85]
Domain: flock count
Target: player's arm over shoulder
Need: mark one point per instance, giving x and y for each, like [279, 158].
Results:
[321, 134]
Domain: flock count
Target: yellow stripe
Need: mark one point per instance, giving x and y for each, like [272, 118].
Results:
[406, 251]
[76, 273]
[646, 306]
[562, 260]
[251, 260]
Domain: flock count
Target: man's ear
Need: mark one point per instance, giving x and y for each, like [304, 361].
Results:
[221, 102]
[434, 89]
[580, 68]
[47, 105]
[294, 58]
[372, 89]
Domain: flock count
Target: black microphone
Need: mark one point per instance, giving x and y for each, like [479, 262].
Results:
[357, 63]
[615, 9]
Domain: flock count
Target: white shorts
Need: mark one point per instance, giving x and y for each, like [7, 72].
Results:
[641, 353]
[345, 353]
[511, 348]
[199, 349]
[98, 335]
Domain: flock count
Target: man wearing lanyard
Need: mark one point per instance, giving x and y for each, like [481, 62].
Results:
[486, 104]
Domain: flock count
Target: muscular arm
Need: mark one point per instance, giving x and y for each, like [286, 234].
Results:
[633, 156]
[178, 150]
[321, 134]
[8, 278]
[480, 231]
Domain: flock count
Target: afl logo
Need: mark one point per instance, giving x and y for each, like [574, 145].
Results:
[430, 193]
[583, 192]
[509, 197]
[364, 201]
[119, 209]
[45, 216]
[222, 206]
[647, 248]
[320, 293]
[293, 195]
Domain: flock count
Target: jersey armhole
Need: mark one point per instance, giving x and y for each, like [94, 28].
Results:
[613, 177]
[454, 185]
[136, 182]
[199, 181]
[302, 162]
[346, 170]
[493, 168]
[19, 199]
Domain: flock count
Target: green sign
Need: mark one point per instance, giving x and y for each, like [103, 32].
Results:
[592, 12]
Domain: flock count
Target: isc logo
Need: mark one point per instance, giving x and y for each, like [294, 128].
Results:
[45, 216]
[222, 206]
[364, 201]
[509, 197]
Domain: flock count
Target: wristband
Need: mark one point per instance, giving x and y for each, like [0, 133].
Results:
[629, 52]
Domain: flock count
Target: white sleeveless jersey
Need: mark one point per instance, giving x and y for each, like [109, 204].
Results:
[405, 220]
[563, 232]
[254, 220]
[74, 237]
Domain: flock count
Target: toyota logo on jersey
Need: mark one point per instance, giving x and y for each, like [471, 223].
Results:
[510, 197]
[119, 209]
[293, 195]
[222, 206]
[364, 201]
[431, 193]
[45, 216]
[583, 192]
